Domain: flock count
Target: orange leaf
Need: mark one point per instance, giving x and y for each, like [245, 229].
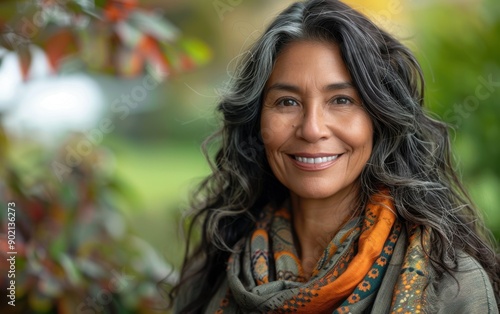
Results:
[151, 49]
[116, 10]
[58, 46]
[136, 63]
[130, 63]
[113, 13]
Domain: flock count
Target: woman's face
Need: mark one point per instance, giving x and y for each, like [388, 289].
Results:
[316, 133]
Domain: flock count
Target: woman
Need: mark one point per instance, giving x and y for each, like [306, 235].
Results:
[333, 191]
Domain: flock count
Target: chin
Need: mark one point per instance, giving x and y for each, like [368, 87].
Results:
[314, 194]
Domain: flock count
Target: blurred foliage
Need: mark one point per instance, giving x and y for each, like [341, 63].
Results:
[112, 37]
[458, 47]
[75, 250]
[73, 244]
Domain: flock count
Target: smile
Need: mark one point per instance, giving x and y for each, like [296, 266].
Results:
[317, 160]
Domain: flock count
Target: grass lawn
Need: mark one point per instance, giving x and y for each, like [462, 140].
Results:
[159, 177]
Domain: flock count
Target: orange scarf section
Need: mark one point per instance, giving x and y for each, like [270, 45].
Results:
[371, 242]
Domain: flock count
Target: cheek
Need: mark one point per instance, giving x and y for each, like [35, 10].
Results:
[268, 136]
[365, 144]
[359, 137]
[360, 133]
[273, 131]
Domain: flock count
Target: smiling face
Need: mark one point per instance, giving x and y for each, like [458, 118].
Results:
[317, 135]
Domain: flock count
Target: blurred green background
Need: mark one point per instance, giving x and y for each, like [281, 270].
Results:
[151, 159]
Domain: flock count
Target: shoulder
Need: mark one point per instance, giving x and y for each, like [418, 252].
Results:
[466, 290]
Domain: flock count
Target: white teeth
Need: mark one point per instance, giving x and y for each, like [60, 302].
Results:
[316, 160]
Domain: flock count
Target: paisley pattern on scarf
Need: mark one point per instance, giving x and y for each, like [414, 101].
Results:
[408, 291]
[267, 275]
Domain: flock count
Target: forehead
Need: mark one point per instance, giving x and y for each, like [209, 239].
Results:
[305, 62]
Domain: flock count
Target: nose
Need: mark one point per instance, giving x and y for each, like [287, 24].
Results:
[313, 125]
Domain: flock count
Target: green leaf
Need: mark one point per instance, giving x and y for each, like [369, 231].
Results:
[58, 246]
[76, 6]
[72, 272]
[197, 50]
[100, 3]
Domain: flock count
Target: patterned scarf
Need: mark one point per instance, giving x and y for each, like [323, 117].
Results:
[266, 274]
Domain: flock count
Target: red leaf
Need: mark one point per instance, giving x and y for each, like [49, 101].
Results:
[36, 211]
[24, 56]
[130, 63]
[58, 46]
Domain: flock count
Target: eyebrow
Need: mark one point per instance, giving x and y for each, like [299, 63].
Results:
[296, 89]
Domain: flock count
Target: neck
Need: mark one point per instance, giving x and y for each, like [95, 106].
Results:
[316, 221]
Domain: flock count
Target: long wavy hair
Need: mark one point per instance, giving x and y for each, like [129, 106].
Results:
[411, 150]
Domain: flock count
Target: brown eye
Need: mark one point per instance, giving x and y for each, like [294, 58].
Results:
[342, 101]
[287, 102]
